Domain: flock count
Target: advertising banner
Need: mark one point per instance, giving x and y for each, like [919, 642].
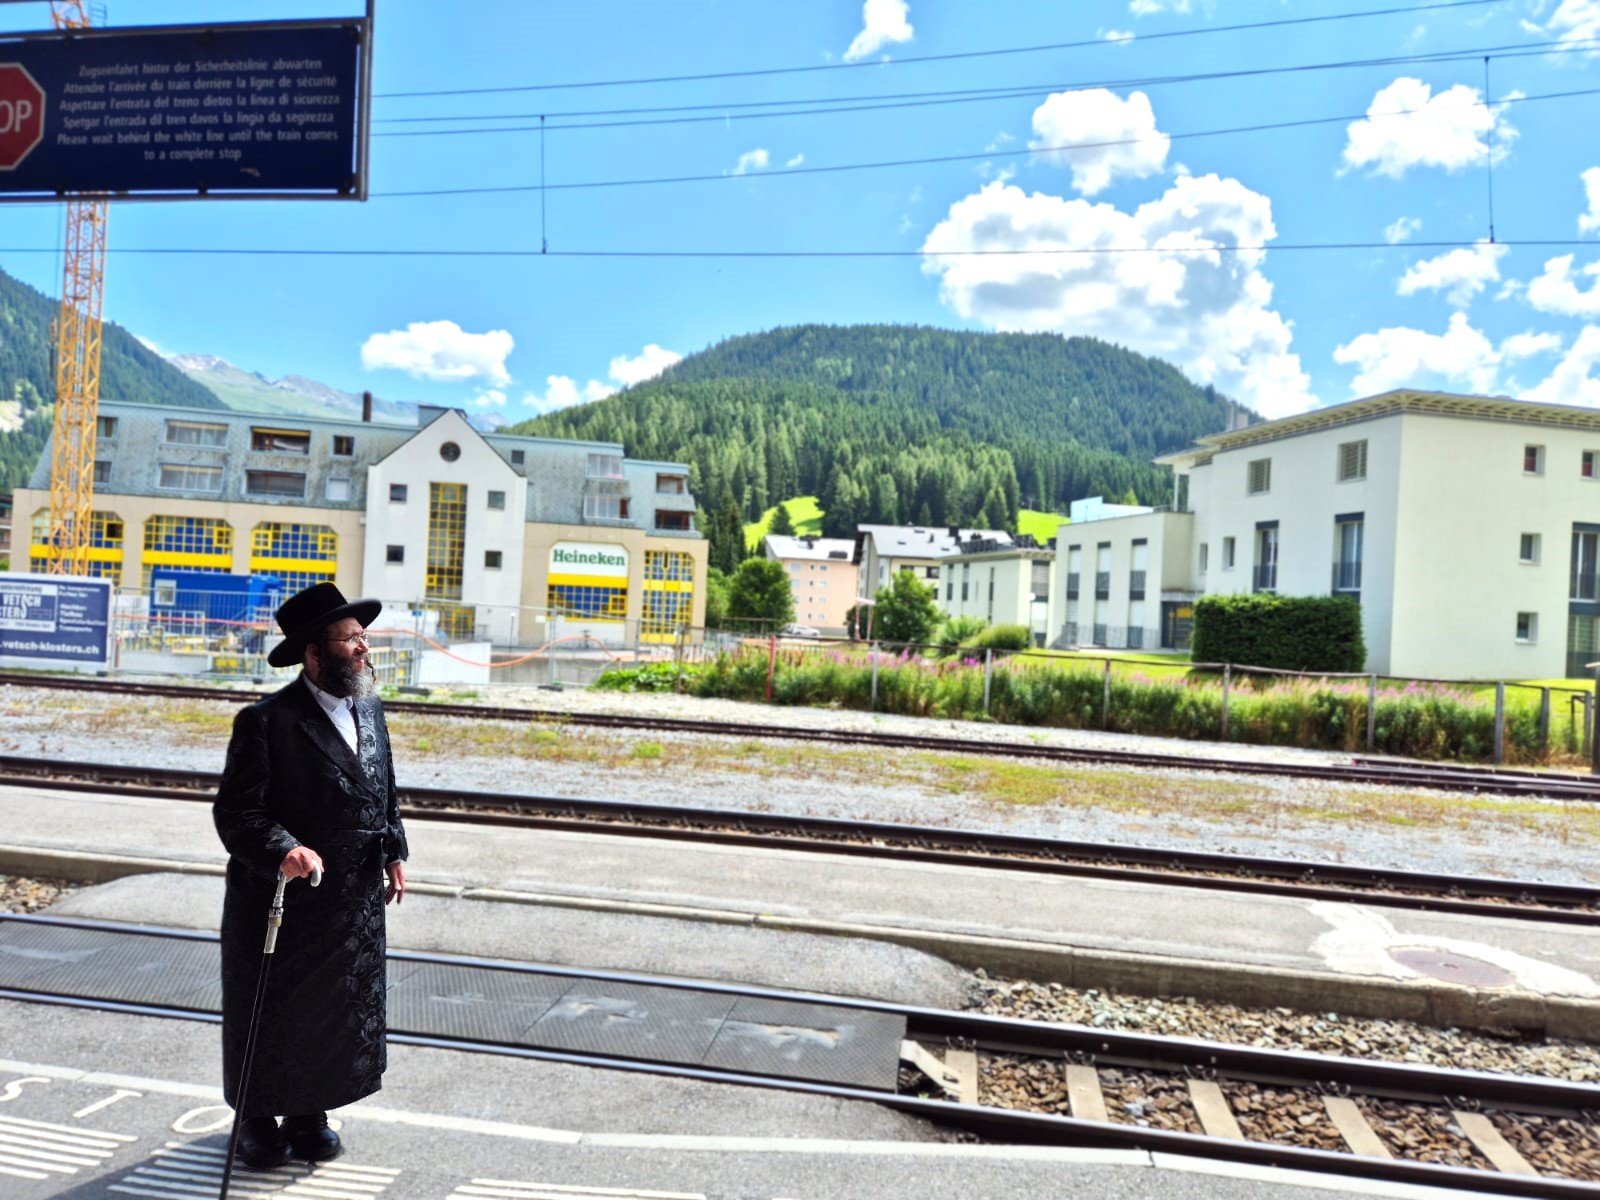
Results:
[54, 621]
[197, 110]
[589, 559]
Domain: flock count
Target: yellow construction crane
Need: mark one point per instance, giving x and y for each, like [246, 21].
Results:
[77, 365]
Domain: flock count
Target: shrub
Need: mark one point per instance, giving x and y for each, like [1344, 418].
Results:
[1000, 637]
[649, 677]
[955, 631]
[1294, 633]
[907, 613]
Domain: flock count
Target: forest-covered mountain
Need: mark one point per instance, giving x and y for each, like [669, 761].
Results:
[128, 371]
[905, 424]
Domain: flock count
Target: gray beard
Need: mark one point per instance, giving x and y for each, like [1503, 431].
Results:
[345, 677]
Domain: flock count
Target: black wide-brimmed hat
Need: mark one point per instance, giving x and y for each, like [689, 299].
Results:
[306, 614]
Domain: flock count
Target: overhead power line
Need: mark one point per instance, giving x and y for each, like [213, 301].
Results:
[770, 109]
[1278, 23]
[933, 160]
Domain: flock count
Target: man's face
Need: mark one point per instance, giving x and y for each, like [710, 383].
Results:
[339, 656]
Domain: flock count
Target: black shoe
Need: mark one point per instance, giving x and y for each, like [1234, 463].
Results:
[310, 1138]
[261, 1144]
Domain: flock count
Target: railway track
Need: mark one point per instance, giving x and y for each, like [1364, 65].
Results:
[1516, 899]
[1014, 1080]
[1441, 776]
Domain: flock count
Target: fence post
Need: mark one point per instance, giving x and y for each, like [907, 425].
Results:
[677, 653]
[1544, 722]
[772, 663]
[1499, 723]
[988, 678]
[1105, 697]
[1372, 712]
[1594, 722]
[872, 649]
[1227, 686]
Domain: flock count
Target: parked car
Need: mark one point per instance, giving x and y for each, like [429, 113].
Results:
[800, 631]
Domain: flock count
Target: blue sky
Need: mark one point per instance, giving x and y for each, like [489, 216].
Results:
[1282, 329]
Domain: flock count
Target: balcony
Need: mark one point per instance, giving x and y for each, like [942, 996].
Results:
[1346, 577]
[1102, 585]
[1265, 577]
[1072, 586]
[1135, 585]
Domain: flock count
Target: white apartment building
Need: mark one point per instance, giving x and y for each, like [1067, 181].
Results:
[1004, 585]
[1466, 526]
[1124, 581]
[822, 578]
[883, 551]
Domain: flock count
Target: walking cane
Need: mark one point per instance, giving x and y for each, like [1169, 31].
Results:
[274, 921]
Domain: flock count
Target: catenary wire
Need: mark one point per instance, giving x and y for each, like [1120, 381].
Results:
[927, 58]
[934, 160]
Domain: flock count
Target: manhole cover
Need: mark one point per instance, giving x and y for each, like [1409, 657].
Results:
[1453, 968]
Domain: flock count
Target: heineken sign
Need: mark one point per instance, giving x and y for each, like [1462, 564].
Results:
[588, 558]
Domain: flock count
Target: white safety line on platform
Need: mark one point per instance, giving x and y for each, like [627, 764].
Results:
[186, 1170]
[508, 1189]
[39, 1150]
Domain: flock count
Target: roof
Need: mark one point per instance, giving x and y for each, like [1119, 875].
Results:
[1404, 400]
[921, 541]
[820, 549]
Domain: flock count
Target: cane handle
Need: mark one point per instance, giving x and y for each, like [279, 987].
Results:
[316, 876]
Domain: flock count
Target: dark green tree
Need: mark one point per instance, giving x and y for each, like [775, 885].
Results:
[782, 523]
[716, 598]
[759, 596]
[906, 612]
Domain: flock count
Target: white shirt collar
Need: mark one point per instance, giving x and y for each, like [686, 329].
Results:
[330, 704]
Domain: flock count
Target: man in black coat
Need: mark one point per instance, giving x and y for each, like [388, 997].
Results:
[309, 786]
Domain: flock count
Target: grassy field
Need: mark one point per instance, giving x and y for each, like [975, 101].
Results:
[1042, 525]
[803, 511]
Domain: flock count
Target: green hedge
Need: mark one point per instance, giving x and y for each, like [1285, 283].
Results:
[1292, 633]
[1000, 637]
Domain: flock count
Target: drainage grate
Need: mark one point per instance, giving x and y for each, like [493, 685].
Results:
[1449, 967]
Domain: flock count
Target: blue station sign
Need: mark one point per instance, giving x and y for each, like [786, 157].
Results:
[218, 110]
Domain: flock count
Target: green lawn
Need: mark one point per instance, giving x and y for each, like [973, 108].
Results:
[803, 511]
[1042, 525]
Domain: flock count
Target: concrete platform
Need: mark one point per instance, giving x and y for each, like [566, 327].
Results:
[1314, 955]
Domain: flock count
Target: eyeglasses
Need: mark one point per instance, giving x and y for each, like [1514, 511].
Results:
[354, 640]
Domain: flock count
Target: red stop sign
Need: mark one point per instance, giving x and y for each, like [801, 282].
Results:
[21, 114]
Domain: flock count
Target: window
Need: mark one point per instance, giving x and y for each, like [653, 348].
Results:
[188, 478]
[605, 508]
[196, 433]
[1227, 553]
[275, 483]
[338, 490]
[1585, 546]
[604, 466]
[1527, 628]
[280, 441]
[491, 560]
[1352, 460]
[1530, 548]
[395, 554]
[1349, 536]
[497, 500]
[344, 445]
[102, 472]
[1266, 569]
[449, 451]
[105, 428]
[672, 520]
[1260, 476]
[1533, 460]
[519, 458]
[671, 485]
[1591, 464]
[397, 493]
[1205, 555]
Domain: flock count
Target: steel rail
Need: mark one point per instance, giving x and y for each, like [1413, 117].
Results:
[1011, 1035]
[1445, 777]
[1215, 871]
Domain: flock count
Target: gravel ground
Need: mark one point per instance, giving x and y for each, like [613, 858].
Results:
[1285, 1029]
[19, 894]
[1431, 831]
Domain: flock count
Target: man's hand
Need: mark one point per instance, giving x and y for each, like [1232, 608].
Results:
[396, 891]
[300, 862]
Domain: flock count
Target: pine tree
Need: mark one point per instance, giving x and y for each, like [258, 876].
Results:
[782, 523]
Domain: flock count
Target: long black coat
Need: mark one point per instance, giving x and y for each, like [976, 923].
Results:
[291, 780]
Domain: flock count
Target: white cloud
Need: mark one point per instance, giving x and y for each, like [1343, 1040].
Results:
[562, 391]
[1557, 291]
[1574, 380]
[751, 160]
[795, 161]
[1146, 8]
[1205, 310]
[1452, 130]
[441, 351]
[1401, 229]
[1572, 21]
[150, 345]
[1589, 222]
[1402, 357]
[1117, 35]
[1461, 274]
[647, 364]
[490, 398]
[882, 22]
[1092, 118]
[1528, 345]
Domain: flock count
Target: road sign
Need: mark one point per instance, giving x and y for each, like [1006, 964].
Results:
[259, 109]
[21, 114]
